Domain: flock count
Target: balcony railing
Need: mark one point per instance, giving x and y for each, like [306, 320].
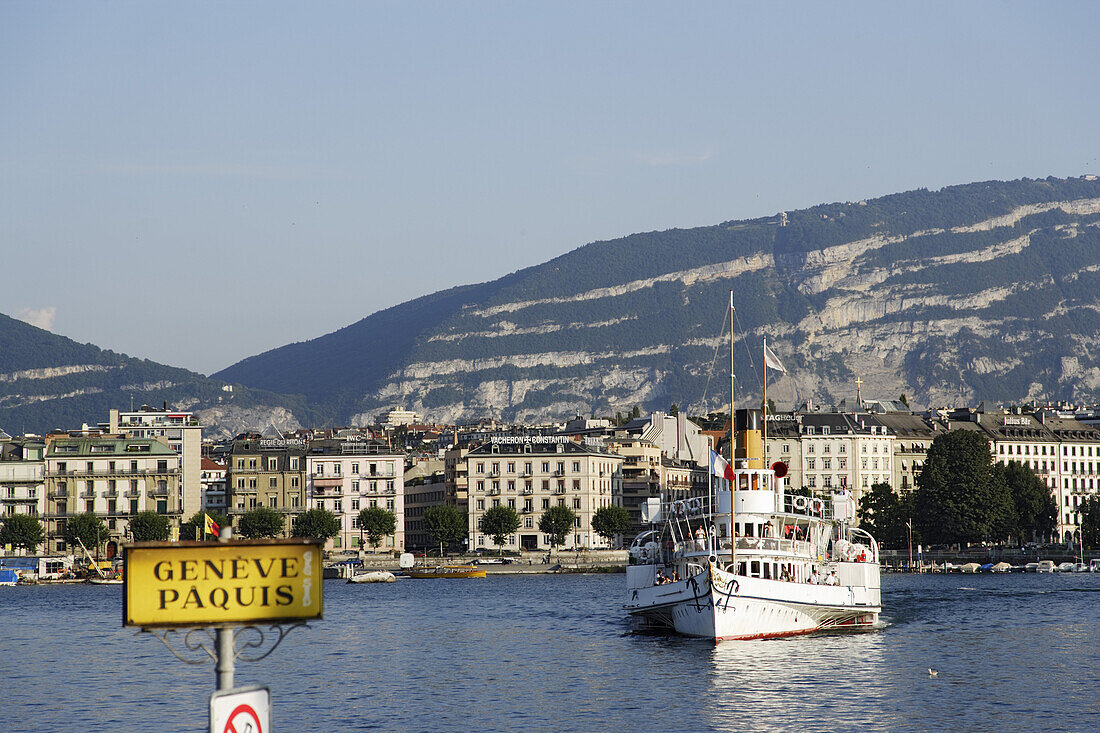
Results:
[113, 472]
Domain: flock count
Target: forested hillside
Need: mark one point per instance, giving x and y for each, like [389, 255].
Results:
[51, 382]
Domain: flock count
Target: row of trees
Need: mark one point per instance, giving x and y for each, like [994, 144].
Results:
[963, 497]
[556, 522]
[444, 524]
[25, 531]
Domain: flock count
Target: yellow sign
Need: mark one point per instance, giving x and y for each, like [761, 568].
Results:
[206, 584]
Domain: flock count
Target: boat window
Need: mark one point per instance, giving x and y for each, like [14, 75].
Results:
[741, 568]
[767, 571]
[749, 529]
[754, 569]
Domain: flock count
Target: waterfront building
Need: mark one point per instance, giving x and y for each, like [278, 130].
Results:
[347, 476]
[22, 477]
[267, 470]
[1062, 451]
[115, 478]
[531, 473]
[455, 477]
[1078, 470]
[179, 430]
[421, 494]
[641, 478]
[845, 451]
[212, 478]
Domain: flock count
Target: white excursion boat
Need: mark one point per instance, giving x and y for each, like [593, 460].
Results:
[751, 560]
[794, 564]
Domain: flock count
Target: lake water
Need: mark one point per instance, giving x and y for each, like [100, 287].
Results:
[555, 653]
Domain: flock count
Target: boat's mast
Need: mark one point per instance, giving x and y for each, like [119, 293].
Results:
[733, 487]
[764, 407]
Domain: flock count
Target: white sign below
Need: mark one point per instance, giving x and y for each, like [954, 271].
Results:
[241, 710]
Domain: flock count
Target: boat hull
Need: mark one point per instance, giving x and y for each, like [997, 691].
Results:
[718, 605]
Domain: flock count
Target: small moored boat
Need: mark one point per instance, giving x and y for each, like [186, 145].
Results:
[447, 571]
[373, 576]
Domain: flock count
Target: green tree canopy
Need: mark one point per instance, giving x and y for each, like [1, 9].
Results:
[557, 522]
[445, 525]
[149, 527]
[884, 514]
[610, 521]
[377, 523]
[961, 498]
[260, 522]
[498, 522]
[1090, 522]
[319, 523]
[1036, 509]
[86, 528]
[192, 529]
[22, 530]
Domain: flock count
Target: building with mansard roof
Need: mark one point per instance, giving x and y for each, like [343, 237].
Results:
[531, 473]
[114, 478]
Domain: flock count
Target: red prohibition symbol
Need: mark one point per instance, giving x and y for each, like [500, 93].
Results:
[249, 719]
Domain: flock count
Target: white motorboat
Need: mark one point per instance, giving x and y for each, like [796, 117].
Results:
[373, 576]
[1044, 566]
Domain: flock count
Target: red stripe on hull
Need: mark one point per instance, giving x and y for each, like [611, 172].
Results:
[776, 635]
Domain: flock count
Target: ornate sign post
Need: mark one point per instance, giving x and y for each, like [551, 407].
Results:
[221, 593]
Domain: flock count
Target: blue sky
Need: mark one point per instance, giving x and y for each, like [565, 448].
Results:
[198, 182]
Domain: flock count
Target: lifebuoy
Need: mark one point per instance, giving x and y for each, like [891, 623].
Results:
[800, 503]
[694, 505]
[818, 506]
[678, 509]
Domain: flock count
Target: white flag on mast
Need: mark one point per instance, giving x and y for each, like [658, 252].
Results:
[772, 361]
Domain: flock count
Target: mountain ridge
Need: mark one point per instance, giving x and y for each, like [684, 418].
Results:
[622, 321]
[979, 291]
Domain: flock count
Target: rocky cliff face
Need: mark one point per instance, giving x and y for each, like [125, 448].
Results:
[983, 291]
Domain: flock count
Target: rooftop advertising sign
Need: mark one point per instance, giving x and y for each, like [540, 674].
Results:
[209, 584]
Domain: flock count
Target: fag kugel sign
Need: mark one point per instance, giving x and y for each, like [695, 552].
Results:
[213, 583]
